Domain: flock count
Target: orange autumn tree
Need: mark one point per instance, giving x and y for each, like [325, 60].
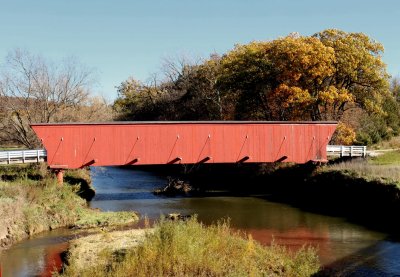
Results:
[301, 65]
[305, 78]
[359, 70]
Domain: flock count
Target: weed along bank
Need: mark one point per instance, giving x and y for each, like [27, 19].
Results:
[32, 202]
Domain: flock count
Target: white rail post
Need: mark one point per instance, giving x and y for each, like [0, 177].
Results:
[23, 157]
[9, 158]
[341, 151]
[38, 157]
[351, 151]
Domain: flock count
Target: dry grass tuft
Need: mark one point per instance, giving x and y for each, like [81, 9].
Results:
[88, 251]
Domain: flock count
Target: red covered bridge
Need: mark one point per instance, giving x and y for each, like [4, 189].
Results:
[76, 145]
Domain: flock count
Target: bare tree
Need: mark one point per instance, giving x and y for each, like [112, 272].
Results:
[33, 90]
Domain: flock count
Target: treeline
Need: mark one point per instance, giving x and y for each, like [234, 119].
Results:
[331, 75]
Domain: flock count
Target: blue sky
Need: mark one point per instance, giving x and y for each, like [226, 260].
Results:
[121, 38]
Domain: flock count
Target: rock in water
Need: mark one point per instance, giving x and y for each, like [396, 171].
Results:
[177, 216]
[174, 187]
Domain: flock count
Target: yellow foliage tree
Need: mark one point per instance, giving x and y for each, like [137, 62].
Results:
[305, 78]
[344, 134]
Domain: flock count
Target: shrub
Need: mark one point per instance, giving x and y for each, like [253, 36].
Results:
[344, 135]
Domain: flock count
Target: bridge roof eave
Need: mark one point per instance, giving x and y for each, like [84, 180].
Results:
[183, 122]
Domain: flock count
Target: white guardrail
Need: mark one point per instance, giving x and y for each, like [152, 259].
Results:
[346, 151]
[22, 156]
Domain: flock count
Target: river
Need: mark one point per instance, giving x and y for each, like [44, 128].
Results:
[344, 248]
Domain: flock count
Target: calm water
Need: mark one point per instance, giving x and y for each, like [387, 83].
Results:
[344, 248]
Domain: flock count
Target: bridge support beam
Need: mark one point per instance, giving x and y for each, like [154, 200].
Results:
[60, 176]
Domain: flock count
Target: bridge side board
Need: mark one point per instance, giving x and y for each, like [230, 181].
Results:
[79, 145]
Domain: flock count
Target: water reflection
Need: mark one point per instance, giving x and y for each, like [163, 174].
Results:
[38, 256]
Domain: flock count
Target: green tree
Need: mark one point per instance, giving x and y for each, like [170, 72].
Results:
[135, 100]
[199, 98]
[245, 78]
[187, 92]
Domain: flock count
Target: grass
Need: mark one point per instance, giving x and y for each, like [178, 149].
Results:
[31, 201]
[192, 249]
[7, 148]
[30, 206]
[386, 174]
[92, 250]
[93, 218]
[388, 158]
[77, 175]
[393, 143]
[384, 168]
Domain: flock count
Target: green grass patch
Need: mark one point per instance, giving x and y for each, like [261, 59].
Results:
[193, 249]
[389, 158]
[94, 218]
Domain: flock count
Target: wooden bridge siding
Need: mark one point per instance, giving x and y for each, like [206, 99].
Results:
[118, 144]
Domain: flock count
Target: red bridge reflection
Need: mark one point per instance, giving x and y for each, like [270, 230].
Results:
[52, 260]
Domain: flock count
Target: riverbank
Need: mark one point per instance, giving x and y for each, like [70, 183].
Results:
[31, 202]
[176, 248]
[346, 189]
